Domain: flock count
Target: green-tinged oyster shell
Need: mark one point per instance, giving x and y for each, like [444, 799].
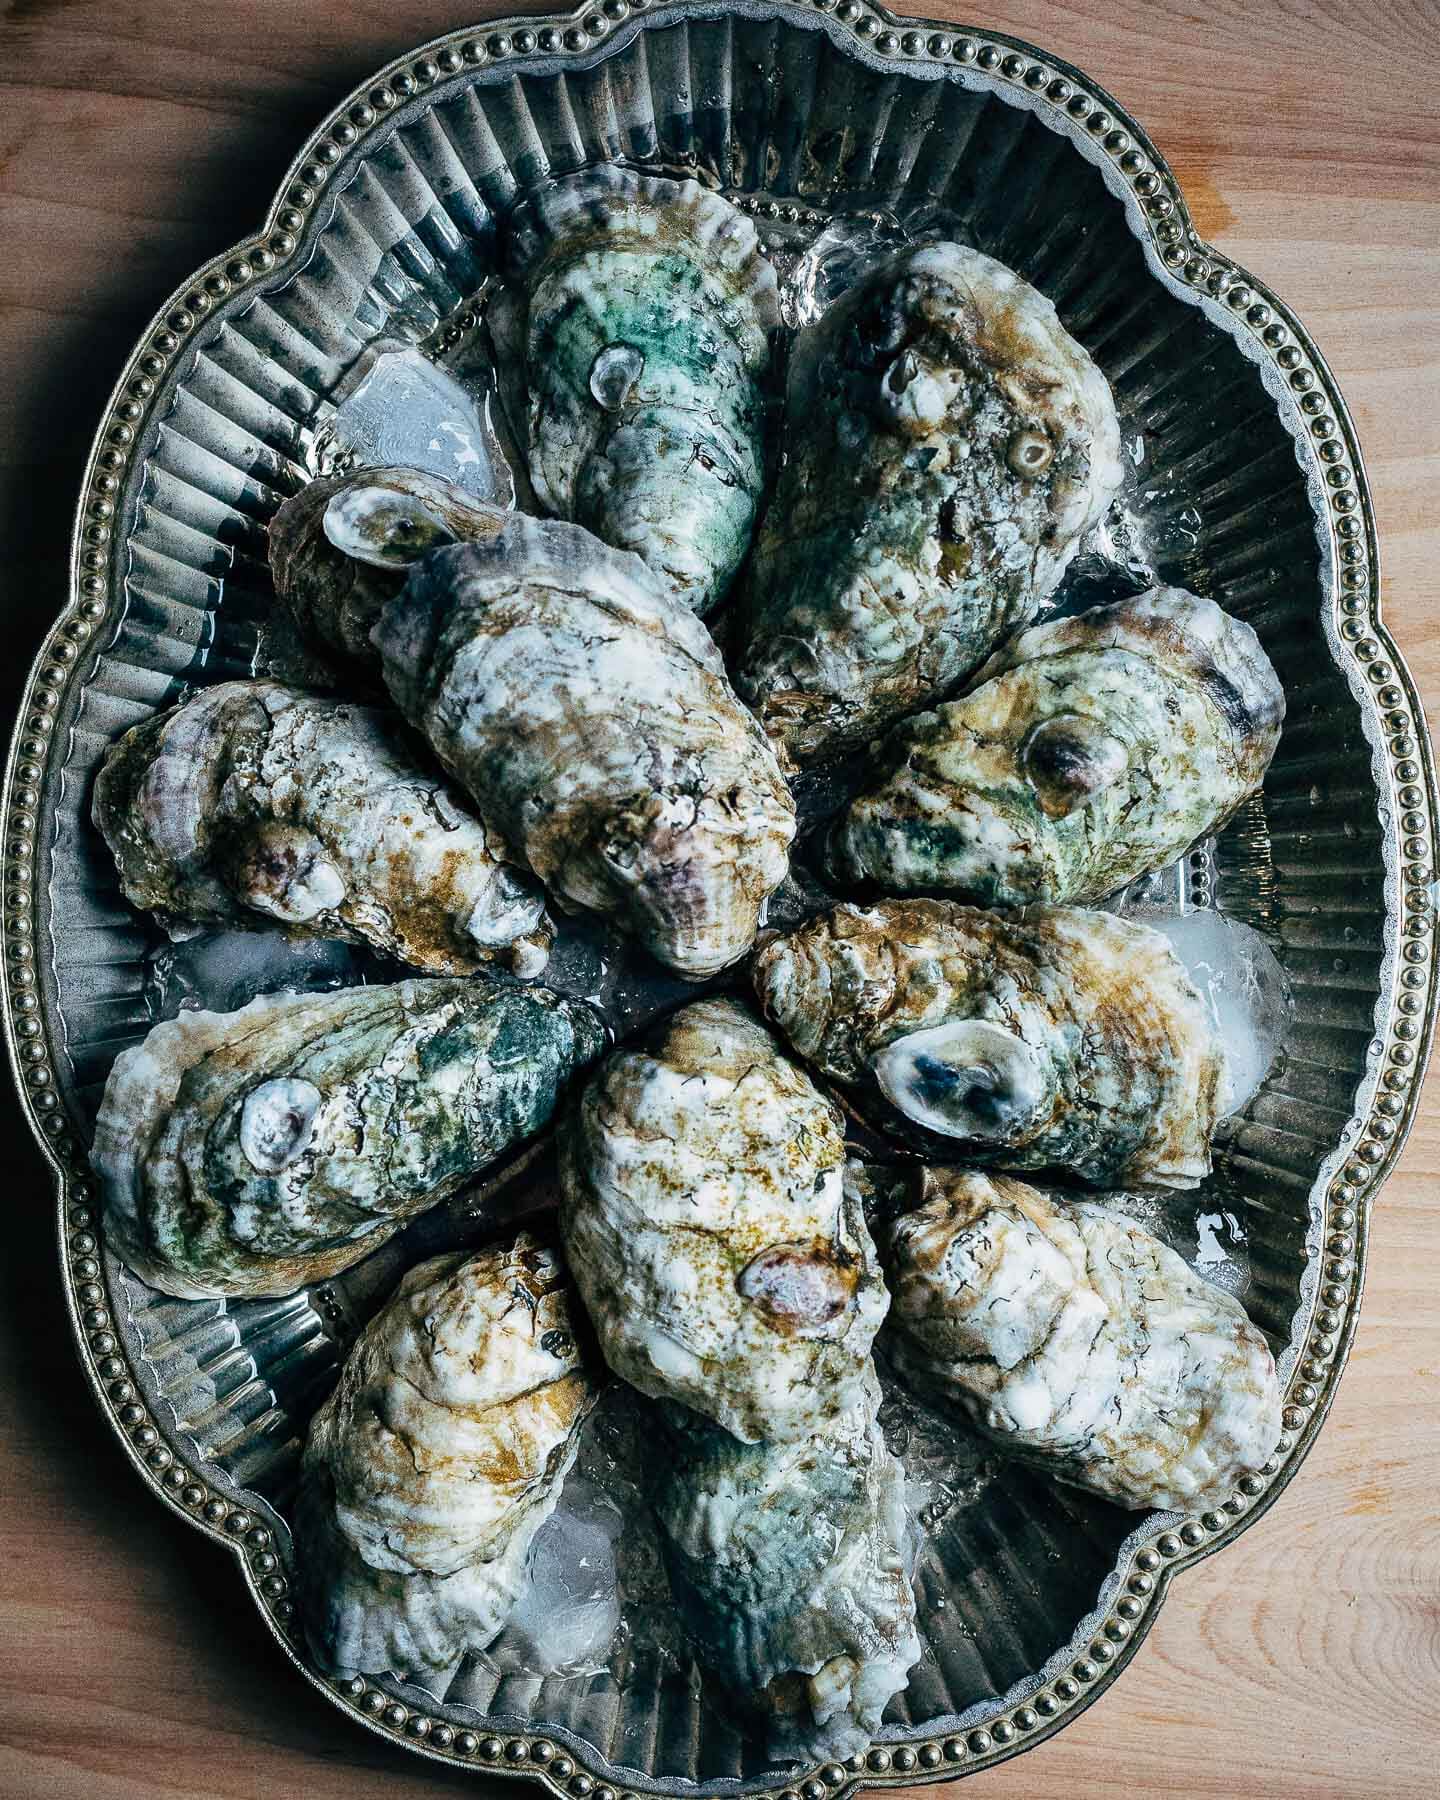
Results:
[429, 1470]
[706, 1223]
[250, 1153]
[1089, 752]
[789, 1565]
[587, 712]
[1051, 1038]
[255, 801]
[1079, 1341]
[649, 311]
[948, 443]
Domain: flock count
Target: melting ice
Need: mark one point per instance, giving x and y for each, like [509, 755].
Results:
[398, 409]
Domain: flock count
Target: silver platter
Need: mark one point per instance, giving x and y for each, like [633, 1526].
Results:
[1248, 486]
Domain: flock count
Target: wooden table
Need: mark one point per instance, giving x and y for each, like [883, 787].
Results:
[138, 140]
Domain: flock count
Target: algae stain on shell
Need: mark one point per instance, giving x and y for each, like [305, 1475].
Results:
[650, 310]
[1089, 751]
[252, 1153]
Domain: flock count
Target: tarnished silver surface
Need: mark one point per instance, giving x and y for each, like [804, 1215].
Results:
[1246, 485]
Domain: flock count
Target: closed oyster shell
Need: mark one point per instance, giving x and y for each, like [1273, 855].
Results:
[1052, 1038]
[429, 1470]
[335, 595]
[789, 1565]
[948, 444]
[588, 714]
[649, 312]
[1079, 1341]
[255, 800]
[706, 1223]
[1090, 751]
[252, 1152]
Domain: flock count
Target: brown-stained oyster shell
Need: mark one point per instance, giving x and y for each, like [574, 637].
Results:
[429, 1470]
[255, 801]
[1077, 1340]
[948, 444]
[705, 1220]
[588, 714]
[1050, 1038]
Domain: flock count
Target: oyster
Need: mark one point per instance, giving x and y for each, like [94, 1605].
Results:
[249, 1153]
[1079, 1341]
[429, 1470]
[341, 547]
[255, 799]
[1052, 1038]
[1091, 751]
[649, 311]
[948, 445]
[588, 714]
[789, 1565]
[706, 1223]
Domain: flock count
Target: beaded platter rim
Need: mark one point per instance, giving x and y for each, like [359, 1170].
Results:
[1383, 689]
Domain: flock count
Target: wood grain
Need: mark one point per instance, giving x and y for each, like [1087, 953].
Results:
[137, 140]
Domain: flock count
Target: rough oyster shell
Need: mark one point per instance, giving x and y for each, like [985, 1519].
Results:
[1052, 1038]
[249, 1153]
[649, 313]
[707, 1227]
[335, 566]
[588, 714]
[429, 1470]
[948, 445]
[789, 1565]
[255, 799]
[1090, 752]
[1079, 1341]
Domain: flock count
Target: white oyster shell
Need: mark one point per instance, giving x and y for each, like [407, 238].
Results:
[789, 1563]
[588, 714]
[1079, 1341]
[1090, 751]
[649, 312]
[429, 1470]
[253, 800]
[706, 1223]
[339, 549]
[1049, 1038]
[948, 444]
[252, 1152]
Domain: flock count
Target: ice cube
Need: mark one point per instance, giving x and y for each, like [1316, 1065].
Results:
[398, 409]
[1241, 980]
[225, 970]
[839, 255]
[570, 1611]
